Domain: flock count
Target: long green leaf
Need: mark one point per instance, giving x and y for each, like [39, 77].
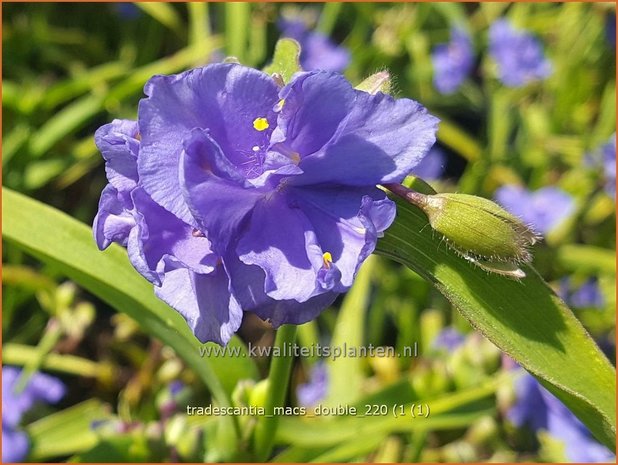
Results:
[66, 121]
[19, 354]
[525, 319]
[164, 13]
[320, 432]
[68, 431]
[237, 20]
[587, 258]
[345, 374]
[58, 239]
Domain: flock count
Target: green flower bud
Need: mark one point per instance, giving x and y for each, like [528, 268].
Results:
[479, 228]
[378, 82]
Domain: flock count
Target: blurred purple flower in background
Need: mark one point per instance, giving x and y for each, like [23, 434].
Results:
[240, 196]
[605, 158]
[538, 409]
[609, 165]
[317, 50]
[40, 388]
[432, 166]
[543, 209]
[588, 295]
[310, 393]
[452, 62]
[518, 54]
[127, 10]
[176, 387]
[449, 339]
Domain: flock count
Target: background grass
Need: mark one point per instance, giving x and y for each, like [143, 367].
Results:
[69, 68]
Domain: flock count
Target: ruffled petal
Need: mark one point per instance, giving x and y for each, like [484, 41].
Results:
[114, 220]
[205, 302]
[279, 239]
[280, 312]
[226, 99]
[380, 141]
[347, 223]
[313, 106]
[248, 286]
[119, 146]
[160, 239]
[218, 196]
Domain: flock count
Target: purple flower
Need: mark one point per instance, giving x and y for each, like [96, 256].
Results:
[309, 394]
[127, 10]
[317, 50]
[241, 196]
[604, 158]
[537, 408]
[452, 62]
[432, 166]
[519, 56]
[176, 387]
[40, 388]
[15, 445]
[544, 209]
[609, 165]
[588, 295]
[448, 339]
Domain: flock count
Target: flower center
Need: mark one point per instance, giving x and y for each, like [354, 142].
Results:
[327, 259]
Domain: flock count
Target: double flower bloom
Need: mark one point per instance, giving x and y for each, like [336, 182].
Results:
[232, 194]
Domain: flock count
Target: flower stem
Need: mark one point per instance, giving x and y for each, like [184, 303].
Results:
[415, 198]
[278, 380]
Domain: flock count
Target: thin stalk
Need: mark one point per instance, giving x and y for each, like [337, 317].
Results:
[415, 198]
[278, 380]
[237, 19]
[50, 338]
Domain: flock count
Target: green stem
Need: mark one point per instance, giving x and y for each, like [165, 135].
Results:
[19, 354]
[415, 198]
[199, 25]
[328, 18]
[50, 338]
[278, 380]
[237, 18]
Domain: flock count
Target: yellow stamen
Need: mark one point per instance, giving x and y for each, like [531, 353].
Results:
[328, 259]
[295, 157]
[279, 105]
[260, 124]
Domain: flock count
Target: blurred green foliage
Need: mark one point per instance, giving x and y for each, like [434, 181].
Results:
[68, 68]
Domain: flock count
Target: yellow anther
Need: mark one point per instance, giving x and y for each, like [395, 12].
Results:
[295, 157]
[279, 105]
[328, 259]
[260, 124]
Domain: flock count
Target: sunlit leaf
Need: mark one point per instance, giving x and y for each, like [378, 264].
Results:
[525, 319]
